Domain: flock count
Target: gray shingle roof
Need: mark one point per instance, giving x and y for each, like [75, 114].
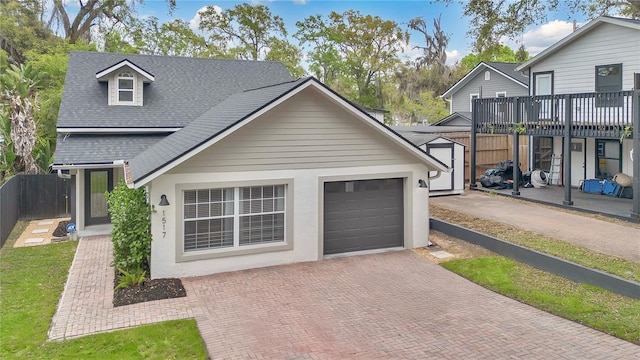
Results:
[98, 149]
[184, 88]
[233, 109]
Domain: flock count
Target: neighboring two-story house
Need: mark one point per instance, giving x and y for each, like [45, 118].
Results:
[486, 80]
[244, 166]
[580, 106]
[599, 57]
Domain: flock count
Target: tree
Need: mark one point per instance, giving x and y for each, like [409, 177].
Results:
[91, 13]
[496, 53]
[286, 53]
[249, 28]
[435, 44]
[18, 87]
[173, 38]
[326, 64]
[492, 20]
[21, 29]
[360, 47]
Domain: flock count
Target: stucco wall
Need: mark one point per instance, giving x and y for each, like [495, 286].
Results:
[306, 230]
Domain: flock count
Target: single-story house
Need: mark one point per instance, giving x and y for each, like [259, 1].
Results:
[244, 166]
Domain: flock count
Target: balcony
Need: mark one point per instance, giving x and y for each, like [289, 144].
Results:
[602, 115]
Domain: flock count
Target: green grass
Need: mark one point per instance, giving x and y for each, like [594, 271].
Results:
[31, 282]
[599, 309]
[624, 268]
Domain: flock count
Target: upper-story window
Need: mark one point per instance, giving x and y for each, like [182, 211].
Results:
[487, 75]
[471, 98]
[126, 82]
[608, 85]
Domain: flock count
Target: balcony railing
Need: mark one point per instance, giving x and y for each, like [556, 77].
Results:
[604, 115]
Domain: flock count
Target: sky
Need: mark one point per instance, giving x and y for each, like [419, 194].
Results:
[453, 23]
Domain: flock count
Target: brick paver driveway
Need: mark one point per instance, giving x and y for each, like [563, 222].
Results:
[392, 305]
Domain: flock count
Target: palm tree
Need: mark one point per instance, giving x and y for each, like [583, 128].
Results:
[18, 93]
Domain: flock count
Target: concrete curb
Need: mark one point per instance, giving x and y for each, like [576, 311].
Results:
[552, 264]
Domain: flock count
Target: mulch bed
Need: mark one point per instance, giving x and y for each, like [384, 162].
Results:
[150, 290]
[61, 229]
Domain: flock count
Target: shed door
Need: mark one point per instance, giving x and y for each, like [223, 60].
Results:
[444, 153]
[363, 215]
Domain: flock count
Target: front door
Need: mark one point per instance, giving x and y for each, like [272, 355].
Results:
[96, 183]
[578, 171]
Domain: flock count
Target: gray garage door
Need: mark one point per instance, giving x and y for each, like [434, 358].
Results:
[363, 215]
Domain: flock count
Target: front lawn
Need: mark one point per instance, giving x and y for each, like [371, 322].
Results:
[31, 282]
[599, 309]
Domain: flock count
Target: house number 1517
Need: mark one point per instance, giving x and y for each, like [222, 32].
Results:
[164, 225]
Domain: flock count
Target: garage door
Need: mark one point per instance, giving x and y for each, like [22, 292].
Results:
[363, 215]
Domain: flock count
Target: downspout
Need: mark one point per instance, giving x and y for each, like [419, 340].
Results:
[437, 175]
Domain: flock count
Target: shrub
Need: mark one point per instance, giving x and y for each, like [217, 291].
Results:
[131, 219]
[133, 278]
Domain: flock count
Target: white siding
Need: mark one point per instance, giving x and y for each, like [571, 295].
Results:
[488, 88]
[574, 64]
[306, 132]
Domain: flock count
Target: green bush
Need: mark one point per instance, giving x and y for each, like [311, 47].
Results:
[131, 219]
[133, 278]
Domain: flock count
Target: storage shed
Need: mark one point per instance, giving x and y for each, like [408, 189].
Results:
[447, 151]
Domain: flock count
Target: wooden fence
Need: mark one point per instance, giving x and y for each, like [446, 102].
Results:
[32, 197]
[490, 150]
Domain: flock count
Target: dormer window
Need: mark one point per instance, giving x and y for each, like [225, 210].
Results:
[126, 82]
[126, 88]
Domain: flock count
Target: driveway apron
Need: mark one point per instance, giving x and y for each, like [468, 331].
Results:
[394, 305]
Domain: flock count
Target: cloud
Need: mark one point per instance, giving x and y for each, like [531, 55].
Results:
[540, 38]
[453, 56]
[300, 2]
[194, 23]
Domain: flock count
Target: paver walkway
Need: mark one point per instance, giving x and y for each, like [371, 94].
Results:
[601, 236]
[394, 305]
[86, 305]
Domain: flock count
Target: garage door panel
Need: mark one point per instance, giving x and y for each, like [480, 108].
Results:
[363, 215]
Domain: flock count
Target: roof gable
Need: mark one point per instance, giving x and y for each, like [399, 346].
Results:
[593, 24]
[104, 74]
[507, 70]
[233, 113]
[464, 117]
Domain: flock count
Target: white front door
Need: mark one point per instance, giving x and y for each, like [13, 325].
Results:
[578, 172]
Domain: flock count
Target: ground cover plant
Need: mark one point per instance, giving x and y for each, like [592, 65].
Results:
[599, 309]
[613, 265]
[31, 283]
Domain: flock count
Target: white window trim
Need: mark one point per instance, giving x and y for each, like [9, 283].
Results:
[501, 94]
[536, 81]
[487, 75]
[236, 250]
[471, 97]
[133, 90]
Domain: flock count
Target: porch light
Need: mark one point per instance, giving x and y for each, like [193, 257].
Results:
[163, 200]
[422, 184]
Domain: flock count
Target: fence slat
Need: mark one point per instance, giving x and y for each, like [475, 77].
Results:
[9, 207]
